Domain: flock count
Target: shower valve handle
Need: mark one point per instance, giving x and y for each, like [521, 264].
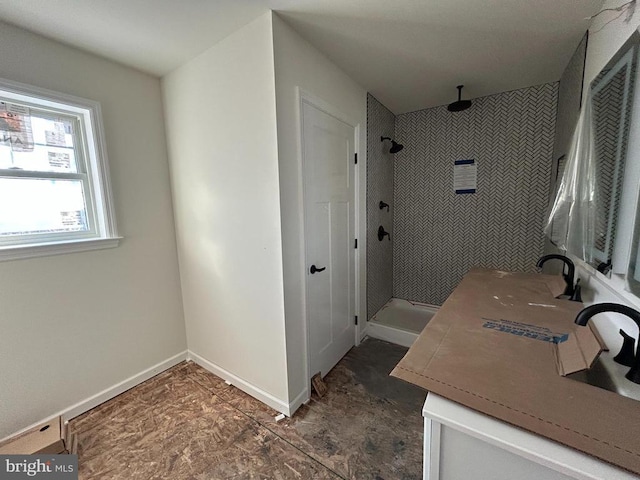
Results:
[382, 233]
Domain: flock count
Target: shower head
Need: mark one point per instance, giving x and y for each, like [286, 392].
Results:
[459, 105]
[395, 147]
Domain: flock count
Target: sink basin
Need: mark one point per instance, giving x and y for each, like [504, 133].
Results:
[609, 375]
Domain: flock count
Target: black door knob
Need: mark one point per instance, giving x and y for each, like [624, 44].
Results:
[314, 269]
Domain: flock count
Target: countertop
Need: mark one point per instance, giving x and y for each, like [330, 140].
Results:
[511, 374]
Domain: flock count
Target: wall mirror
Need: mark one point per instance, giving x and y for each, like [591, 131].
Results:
[613, 107]
[612, 104]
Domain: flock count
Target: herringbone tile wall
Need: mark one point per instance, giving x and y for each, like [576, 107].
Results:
[439, 235]
[380, 123]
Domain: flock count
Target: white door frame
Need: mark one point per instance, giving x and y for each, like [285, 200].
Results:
[320, 104]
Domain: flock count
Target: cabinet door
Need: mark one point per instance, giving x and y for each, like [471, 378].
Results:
[463, 457]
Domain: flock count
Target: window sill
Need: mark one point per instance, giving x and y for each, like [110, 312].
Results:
[47, 249]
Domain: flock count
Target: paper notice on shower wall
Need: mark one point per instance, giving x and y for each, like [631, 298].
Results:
[465, 176]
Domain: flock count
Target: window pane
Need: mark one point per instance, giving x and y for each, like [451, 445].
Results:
[54, 132]
[33, 206]
[41, 159]
[33, 141]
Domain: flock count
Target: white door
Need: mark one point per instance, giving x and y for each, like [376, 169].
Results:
[328, 170]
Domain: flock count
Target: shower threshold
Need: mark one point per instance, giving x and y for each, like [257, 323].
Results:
[400, 321]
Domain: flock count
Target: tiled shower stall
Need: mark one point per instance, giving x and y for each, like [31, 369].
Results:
[436, 235]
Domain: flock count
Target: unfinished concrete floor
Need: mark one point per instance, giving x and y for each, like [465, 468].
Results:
[186, 423]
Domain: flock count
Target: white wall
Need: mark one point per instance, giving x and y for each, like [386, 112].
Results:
[299, 64]
[73, 325]
[606, 35]
[221, 127]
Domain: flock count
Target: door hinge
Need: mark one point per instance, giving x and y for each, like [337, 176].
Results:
[356, 157]
[356, 319]
[356, 245]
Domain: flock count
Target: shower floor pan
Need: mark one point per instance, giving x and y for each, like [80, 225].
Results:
[400, 321]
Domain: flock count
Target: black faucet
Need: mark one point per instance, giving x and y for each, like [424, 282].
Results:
[586, 313]
[571, 270]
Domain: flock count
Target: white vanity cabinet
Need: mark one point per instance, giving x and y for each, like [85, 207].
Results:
[463, 444]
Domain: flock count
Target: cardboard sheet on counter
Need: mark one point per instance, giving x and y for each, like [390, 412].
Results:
[500, 345]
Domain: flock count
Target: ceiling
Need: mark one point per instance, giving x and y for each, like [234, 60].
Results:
[410, 54]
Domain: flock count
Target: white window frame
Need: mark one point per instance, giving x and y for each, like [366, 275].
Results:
[94, 174]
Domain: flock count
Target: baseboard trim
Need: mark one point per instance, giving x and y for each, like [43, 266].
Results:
[111, 392]
[243, 385]
[299, 401]
[108, 393]
[364, 331]
[389, 334]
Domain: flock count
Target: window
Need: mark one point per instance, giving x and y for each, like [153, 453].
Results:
[54, 184]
